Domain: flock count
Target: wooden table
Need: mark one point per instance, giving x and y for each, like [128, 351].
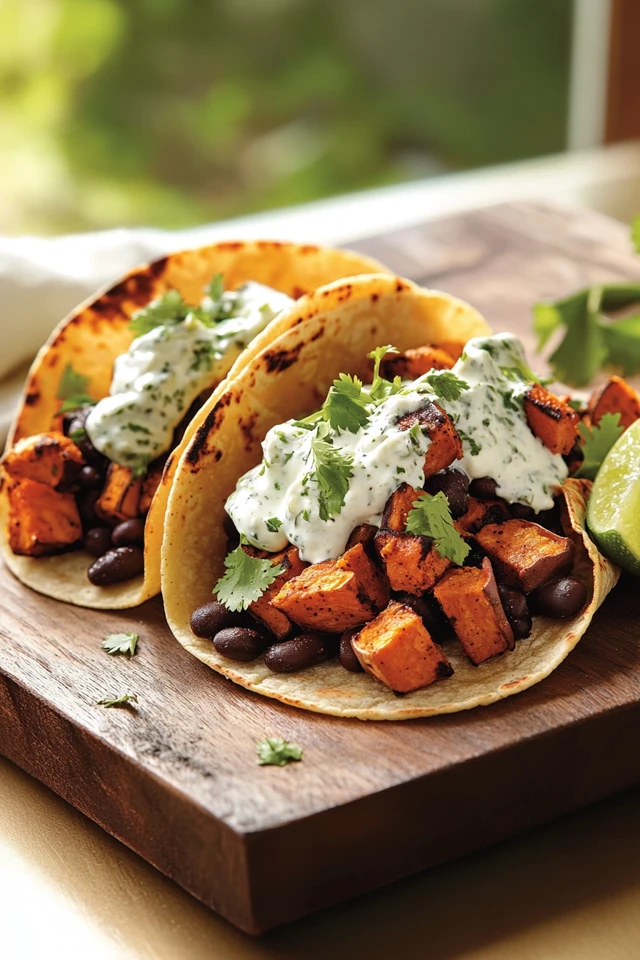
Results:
[496, 262]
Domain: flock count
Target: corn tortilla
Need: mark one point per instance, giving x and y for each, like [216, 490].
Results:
[98, 331]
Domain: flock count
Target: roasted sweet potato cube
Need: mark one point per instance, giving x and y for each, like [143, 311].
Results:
[120, 497]
[41, 520]
[413, 363]
[399, 506]
[445, 444]
[469, 597]
[399, 651]
[276, 621]
[335, 595]
[49, 458]
[615, 396]
[454, 348]
[363, 533]
[411, 563]
[149, 485]
[524, 554]
[480, 512]
[550, 419]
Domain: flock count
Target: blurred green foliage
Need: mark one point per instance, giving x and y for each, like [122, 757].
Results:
[174, 112]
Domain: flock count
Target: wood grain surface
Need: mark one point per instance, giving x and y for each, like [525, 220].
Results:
[175, 777]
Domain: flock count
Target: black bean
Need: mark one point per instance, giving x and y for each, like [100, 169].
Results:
[67, 420]
[427, 608]
[122, 563]
[211, 617]
[454, 485]
[560, 598]
[240, 643]
[516, 609]
[550, 519]
[128, 533]
[475, 556]
[233, 537]
[301, 652]
[97, 541]
[522, 511]
[90, 477]
[86, 507]
[348, 658]
[484, 488]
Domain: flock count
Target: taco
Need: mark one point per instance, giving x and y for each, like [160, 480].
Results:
[397, 536]
[113, 392]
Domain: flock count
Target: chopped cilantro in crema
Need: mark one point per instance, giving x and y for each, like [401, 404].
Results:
[344, 461]
[179, 351]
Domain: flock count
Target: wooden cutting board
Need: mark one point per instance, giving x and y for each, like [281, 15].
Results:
[176, 778]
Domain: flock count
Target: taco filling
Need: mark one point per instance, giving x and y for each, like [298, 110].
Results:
[90, 480]
[422, 509]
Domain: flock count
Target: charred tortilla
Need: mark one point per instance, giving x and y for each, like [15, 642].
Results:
[95, 334]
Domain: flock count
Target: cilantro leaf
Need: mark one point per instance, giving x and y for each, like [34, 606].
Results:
[346, 405]
[72, 390]
[431, 517]
[273, 524]
[215, 287]
[115, 643]
[445, 384]
[474, 446]
[165, 310]
[122, 701]
[380, 388]
[621, 339]
[590, 341]
[597, 442]
[332, 474]
[78, 434]
[275, 751]
[245, 580]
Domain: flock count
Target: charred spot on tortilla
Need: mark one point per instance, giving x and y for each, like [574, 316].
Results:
[318, 334]
[32, 398]
[278, 360]
[247, 428]
[375, 297]
[196, 446]
[158, 267]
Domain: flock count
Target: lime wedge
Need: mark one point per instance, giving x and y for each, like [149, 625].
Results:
[613, 514]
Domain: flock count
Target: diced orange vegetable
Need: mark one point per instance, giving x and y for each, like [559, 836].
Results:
[41, 520]
[445, 444]
[399, 506]
[120, 497]
[411, 563]
[335, 595]
[524, 554]
[615, 396]
[413, 363]
[551, 420]
[49, 458]
[469, 597]
[363, 533]
[480, 512]
[399, 651]
[276, 621]
[150, 483]
[454, 348]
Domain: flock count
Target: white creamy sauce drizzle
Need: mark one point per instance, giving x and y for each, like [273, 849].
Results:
[156, 381]
[496, 439]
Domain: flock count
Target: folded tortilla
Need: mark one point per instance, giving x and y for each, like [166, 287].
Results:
[340, 325]
[98, 331]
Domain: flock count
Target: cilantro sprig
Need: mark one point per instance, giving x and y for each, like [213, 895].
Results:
[346, 405]
[598, 440]
[120, 643]
[277, 752]
[332, 472]
[592, 338]
[245, 580]
[171, 308]
[124, 700]
[430, 516]
[72, 390]
[445, 384]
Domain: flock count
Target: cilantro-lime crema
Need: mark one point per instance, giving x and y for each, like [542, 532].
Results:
[158, 378]
[317, 482]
